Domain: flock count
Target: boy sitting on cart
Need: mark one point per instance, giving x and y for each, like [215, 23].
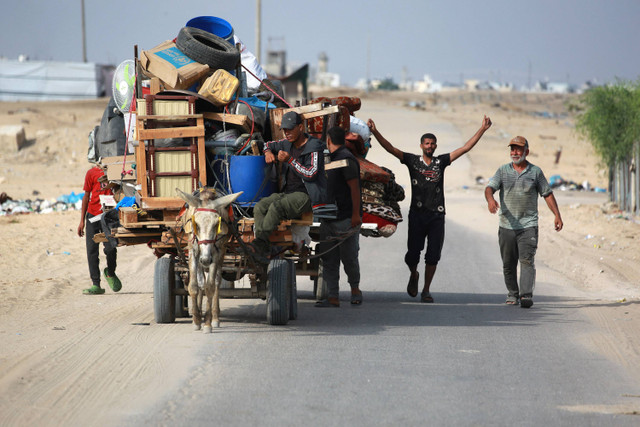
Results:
[303, 184]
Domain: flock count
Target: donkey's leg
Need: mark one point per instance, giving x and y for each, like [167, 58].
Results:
[208, 314]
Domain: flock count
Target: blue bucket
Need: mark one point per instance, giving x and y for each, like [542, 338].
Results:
[213, 25]
[248, 174]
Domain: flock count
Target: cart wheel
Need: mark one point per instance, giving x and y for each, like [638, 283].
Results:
[319, 287]
[227, 284]
[163, 297]
[182, 309]
[293, 292]
[278, 294]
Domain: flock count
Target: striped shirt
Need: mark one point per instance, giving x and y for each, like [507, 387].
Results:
[519, 195]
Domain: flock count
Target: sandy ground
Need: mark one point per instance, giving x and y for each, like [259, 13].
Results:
[60, 350]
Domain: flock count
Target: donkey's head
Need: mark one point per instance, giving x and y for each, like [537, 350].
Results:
[208, 227]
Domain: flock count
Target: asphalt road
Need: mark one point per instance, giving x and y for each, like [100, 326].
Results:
[468, 359]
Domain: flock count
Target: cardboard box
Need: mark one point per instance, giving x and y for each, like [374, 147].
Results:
[174, 68]
[113, 167]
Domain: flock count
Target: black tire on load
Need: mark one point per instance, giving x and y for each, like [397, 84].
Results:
[293, 292]
[181, 300]
[163, 296]
[278, 294]
[207, 48]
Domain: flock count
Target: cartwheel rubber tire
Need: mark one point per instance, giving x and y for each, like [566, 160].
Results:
[293, 292]
[163, 295]
[207, 48]
[278, 294]
[181, 302]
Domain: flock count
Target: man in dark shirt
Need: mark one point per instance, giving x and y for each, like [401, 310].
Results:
[343, 189]
[303, 186]
[426, 214]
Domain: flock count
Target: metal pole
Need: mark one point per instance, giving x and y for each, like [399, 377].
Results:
[84, 35]
[258, 29]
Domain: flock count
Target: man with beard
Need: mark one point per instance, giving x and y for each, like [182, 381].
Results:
[426, 214]
[519, 183]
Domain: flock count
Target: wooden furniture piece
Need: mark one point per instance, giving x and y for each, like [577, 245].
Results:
[162, 169]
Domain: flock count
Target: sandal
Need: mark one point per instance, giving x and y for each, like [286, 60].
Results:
[356, 299]
[113, 281]
[426, 297]
[93, 290]
[526, 302]
[412, 287]
[511, 300]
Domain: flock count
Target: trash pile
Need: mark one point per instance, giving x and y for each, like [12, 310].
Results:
[66, 202]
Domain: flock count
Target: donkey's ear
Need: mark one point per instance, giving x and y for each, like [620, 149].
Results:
[225, 201]
[191, 200]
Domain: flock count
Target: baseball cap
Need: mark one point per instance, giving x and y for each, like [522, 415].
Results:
[520, 141]
[290, 120]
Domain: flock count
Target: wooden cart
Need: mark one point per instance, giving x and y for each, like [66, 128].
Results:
[156, 222]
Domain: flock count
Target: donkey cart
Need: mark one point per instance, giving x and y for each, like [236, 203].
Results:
[275, 282]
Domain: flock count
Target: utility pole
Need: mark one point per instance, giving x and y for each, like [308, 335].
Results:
[84, 35]
[368, 84]
[258, 29]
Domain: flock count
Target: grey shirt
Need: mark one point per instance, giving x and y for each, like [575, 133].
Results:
[519, 195]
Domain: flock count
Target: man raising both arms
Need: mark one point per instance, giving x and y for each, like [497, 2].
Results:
[426, 214]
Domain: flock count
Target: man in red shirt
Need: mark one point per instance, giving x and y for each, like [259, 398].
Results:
[95, 184]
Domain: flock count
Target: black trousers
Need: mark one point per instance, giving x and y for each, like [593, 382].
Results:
[91, 229]
[429, 227]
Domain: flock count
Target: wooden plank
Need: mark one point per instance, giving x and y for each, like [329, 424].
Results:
[324, 112]
[174, 132]
[152, 203]
[172, 118]
[128, 215]
[234, 119]
[141, 168]
[304, 109]
[202, 162]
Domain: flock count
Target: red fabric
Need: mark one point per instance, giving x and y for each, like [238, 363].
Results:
[372, 172]
[94, 188]
[374, 219]
[347, 106]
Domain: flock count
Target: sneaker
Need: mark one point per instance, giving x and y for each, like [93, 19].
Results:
[526, 302]
[93, 290]
[113, 281]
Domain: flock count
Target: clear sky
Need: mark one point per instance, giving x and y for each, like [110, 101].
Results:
[503, 40]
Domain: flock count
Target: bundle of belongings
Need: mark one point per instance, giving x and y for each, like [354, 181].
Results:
[206, 60]
[380, 192]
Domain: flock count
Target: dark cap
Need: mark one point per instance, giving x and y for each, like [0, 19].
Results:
[290, 120]
[520, 141]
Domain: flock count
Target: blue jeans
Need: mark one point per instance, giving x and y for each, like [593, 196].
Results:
[519, 246]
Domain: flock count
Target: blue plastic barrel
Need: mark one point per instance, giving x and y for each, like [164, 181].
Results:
[249, 174]
[213, 25]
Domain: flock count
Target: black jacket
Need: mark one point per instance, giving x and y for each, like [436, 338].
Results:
[309, 166]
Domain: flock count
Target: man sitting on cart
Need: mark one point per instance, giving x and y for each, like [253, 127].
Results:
[303, 183]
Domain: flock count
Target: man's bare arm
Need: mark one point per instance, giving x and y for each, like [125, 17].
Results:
[486, 124]
[382, 140]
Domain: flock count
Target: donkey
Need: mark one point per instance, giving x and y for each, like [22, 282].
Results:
[209, 235]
